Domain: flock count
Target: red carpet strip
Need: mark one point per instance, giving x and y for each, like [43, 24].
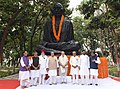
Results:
[9, 84]
[115, 78]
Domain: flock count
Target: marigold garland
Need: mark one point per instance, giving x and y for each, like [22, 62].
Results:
[60, 27]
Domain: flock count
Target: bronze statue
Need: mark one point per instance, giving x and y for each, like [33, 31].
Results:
[58, 33]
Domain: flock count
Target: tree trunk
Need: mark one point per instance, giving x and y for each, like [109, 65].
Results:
[5, 32]
[34, 28]
[101, 46]
[116, 48]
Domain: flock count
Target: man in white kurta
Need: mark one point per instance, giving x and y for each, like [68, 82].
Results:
[52, 65]
[63, 62]
[43, 65]
[84, 66]
[74, 68]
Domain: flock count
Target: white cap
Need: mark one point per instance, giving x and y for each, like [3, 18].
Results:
[74, 52]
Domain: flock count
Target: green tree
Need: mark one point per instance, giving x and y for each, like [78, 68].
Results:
[104, 17]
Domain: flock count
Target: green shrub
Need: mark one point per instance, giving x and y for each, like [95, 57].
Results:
[113, 71]
[7, 73]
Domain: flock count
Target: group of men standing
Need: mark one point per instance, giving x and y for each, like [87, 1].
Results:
[33, 71]
[85, 66]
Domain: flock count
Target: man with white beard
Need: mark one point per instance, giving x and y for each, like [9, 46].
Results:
[63, 62]
[84, 66]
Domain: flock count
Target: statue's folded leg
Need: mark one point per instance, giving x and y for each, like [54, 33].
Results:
[64, 46]
[68, 47]
[40, 47]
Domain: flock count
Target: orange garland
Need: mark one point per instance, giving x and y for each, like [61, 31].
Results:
[60, 27]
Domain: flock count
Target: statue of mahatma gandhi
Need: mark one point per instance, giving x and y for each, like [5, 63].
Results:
[58, 33]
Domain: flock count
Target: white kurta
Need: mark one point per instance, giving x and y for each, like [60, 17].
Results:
[74, 62]
[24, 74]
[63, 61]
[84, 65]
[95, 71]
[34, 73]
[43, 64]
[52, 72]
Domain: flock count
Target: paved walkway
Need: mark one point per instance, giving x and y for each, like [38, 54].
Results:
[11, 77]
[106, 83]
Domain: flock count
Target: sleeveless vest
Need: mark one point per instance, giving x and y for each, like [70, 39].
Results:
[26, 62]
[35, 62]
[93, 65]
[52, 65]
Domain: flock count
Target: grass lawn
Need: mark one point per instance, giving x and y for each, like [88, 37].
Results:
[8, 71]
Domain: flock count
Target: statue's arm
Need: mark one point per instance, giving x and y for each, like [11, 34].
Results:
[71, 33]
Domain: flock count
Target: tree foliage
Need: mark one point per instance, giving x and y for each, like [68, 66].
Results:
[103, 27]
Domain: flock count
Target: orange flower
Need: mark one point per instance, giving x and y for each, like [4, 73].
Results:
[60, 27]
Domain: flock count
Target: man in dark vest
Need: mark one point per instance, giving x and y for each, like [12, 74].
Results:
[94, 61]
[35, 69]
[58, 33]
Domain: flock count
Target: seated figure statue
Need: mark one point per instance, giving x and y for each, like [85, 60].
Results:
[58, 33]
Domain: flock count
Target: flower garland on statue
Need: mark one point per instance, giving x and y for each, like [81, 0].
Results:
[60, 27]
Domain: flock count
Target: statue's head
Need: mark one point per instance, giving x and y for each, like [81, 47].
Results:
[58, 10]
